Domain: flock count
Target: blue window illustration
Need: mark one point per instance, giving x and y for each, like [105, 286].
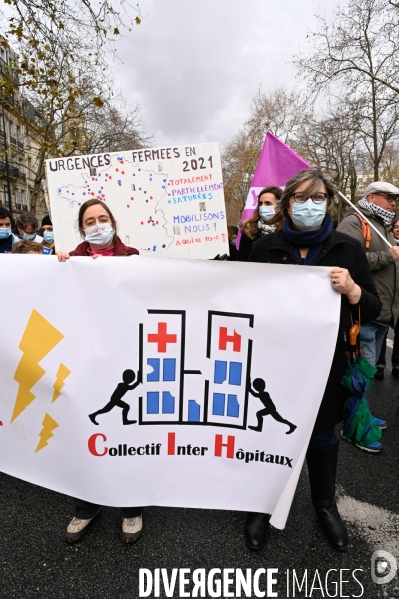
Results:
[235, 372]
[194, 411]
[219, 405]
[166, 366]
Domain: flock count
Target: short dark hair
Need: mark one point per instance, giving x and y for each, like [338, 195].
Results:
[315, 176]
[24, 246]
[4, 213]
[24, 220]
[87, 205]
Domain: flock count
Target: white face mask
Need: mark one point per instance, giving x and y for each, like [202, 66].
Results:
[267, 212]
[100, 235]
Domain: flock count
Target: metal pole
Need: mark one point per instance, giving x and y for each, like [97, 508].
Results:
[6, 160]
[366, 219]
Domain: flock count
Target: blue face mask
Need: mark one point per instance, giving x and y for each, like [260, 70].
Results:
[308, 215]
[4, 233]
[48, 236]
[267, 213]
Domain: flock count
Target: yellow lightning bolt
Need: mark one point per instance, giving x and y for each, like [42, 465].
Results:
[39, 338]
[61, 375]
[49, 424]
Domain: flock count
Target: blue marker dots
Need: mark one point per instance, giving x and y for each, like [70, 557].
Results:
[163, 186]
[154, 248]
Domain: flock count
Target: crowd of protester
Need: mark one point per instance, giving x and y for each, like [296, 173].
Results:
[290, 226]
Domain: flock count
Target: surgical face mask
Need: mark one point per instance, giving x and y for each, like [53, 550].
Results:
[48, 236]
[267, 212]
[29, 236]
[4, 233]
[308, 215]
[100, 235]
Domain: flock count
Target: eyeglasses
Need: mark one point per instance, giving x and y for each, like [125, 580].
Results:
[388, 198]
[300, 197]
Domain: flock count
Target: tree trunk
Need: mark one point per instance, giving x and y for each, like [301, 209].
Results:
[37, 186]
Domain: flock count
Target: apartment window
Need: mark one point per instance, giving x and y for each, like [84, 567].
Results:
[23, 199]
[4, 55]
[13, 133]
[5, 196]
[16, 200]
[20, 140]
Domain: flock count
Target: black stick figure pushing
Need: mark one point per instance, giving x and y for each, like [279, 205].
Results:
[259, 385]
[116, 398]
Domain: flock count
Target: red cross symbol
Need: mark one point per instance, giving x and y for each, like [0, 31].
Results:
[162, 338]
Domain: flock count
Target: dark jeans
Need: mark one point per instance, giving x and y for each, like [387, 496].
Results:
[381, 362]
[326, 439]
[86, 510]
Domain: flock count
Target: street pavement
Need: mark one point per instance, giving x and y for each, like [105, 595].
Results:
[36, 563]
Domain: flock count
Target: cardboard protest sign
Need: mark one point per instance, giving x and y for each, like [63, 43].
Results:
[167, 202]
[145, 382]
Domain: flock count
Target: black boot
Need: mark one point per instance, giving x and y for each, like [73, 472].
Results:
[256, 528]
[322, 466]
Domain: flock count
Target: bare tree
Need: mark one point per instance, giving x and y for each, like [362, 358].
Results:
[282, 112]
[115, 127]
[360, 40]
[355, 56]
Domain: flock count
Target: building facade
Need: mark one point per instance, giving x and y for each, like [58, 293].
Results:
[18, 149]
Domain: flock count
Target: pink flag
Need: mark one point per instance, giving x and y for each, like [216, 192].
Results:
[277, 164]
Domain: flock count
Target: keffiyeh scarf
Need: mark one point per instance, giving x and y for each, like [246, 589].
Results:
[385, 215]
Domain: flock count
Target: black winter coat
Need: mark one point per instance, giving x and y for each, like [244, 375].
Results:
[345, 252]
[246, 245]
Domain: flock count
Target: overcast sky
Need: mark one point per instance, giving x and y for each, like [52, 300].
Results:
[194, 65]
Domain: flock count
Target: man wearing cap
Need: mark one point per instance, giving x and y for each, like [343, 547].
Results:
[7, 237]
[378, 206]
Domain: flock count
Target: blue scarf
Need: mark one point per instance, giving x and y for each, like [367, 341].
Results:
[307, 239]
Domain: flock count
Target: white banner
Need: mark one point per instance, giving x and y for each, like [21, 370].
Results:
[147, 382]
[167, 202]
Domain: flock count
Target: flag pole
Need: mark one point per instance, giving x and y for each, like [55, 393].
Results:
[366, 219]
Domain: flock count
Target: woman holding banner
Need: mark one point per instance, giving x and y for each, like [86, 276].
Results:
[98, 228]
[308, 238]
[267, 219]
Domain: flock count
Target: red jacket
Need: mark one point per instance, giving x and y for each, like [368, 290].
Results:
[120, 249]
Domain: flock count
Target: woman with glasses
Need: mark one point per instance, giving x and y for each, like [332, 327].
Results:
[308, 238]
[267, 219]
